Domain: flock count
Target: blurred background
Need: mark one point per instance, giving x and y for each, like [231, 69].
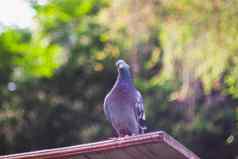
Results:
[57, 64]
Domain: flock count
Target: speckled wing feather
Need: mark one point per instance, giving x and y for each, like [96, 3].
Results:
[140, 113]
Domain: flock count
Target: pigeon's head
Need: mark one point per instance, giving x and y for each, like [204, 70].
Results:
[121, 64]
[123, 70]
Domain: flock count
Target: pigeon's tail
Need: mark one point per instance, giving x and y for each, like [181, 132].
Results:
[142, 127]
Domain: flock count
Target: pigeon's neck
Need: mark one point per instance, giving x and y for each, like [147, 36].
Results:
[124, 76]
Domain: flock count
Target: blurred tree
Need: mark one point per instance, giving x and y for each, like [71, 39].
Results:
[42, 106]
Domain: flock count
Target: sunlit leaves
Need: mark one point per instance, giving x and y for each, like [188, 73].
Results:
[199, 37]
[28, 56]
[39, 59]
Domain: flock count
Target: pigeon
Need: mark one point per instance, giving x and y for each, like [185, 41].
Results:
[123, 105]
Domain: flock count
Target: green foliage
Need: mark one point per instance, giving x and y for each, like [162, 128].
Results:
[199, 36]
[74, 25]
[27, 56]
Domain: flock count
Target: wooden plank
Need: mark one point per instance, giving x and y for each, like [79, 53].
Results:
[132, 153]
[155, 145]
[155, 153]
[79, 157]
[164, 151]
[145, 153]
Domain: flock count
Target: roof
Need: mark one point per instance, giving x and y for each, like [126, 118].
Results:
[155, 145]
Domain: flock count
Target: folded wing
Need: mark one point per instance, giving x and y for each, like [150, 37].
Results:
[139, 111]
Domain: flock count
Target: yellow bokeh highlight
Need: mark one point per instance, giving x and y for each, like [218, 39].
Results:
[154, 58]
[100, 55]
[98, 67]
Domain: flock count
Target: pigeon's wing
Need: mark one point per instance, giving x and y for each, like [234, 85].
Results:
[106, 110]
[140, 113]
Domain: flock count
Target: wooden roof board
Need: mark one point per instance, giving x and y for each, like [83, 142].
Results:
[155, 145]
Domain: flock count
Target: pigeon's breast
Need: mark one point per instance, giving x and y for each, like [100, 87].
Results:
[122, 103]
[123, 96]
